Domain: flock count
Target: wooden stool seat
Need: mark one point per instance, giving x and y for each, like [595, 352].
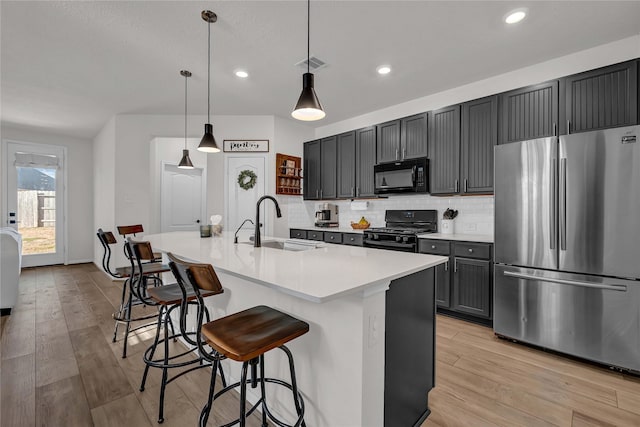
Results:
[147, 268]
[172, 294]
[250, 333]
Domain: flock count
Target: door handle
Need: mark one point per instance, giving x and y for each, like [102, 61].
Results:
[197, 221]
[620, 288]
[563, 205]
[553, 232]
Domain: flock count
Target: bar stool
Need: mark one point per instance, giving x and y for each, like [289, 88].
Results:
[125, 230]
[244, 337]
[169, 298]
[141, 257]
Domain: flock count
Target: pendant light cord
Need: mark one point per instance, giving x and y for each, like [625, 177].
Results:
[185, 111]
[209, 76]
[308, 30]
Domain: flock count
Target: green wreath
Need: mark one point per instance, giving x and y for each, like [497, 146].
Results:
[247, 179]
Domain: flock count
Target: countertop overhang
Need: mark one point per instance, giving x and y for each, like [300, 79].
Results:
[317, 275]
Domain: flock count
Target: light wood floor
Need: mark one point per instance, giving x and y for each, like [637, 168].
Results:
[58, 367]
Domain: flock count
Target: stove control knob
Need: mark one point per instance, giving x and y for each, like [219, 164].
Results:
[405, 239]
[398, 238]
[374, 236]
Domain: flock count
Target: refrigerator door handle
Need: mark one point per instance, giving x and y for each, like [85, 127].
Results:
[563, 205]
[620, 288]
[553, 233]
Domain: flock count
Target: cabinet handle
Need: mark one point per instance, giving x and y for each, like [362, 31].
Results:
[321, 193]
[457, 187]
[446, 266]
[433, 246]
[353, 192]
[404, 153]
[396, 154]
[555, 129]
[568, 126]
[351, 239]
[357, 191]
[470, 250]
[465, 184]
[455, 265]
[317, 194]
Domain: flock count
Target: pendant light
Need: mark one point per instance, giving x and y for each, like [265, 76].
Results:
[308, 107]
[185, 162]
[208, 143]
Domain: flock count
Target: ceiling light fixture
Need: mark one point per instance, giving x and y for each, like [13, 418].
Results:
[383, 69]
[515, 16]
[208, 143]
[308, 107]
[242, 74]
[185, 162]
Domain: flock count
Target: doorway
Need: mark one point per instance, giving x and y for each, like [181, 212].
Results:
[242, 202]
[182, 198]
[35, 188]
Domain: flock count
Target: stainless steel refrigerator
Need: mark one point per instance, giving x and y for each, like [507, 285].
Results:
[567, 244]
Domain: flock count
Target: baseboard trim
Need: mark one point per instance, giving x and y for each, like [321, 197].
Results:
[81, 261]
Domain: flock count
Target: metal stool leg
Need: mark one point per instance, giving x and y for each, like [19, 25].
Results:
[122, 298]
[243, 395]
[204, 415]
[163, 384]
[127, 326]
[263, 392]
[294, 384]
[153, 346]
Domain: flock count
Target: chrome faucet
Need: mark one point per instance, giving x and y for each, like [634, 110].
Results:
[256, 239]
[235, 236]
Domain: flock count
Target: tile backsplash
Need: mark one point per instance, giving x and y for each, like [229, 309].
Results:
[475, 213]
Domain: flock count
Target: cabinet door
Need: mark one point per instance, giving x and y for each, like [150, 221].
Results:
[365, 160]
[311, 170]
[472, 287]
[328, 167]
[529, 113]
[443, 285]
[413, 137]
[479, 136]
[388, 141]
[602, 98]
[346, 164]
[296, 233]
[444, 150]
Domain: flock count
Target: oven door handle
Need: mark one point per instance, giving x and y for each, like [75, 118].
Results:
[413, 176]
[388, 244]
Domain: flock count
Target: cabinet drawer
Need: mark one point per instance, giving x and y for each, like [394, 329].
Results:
[332, 237]
[472, 250]
[315, 235]
[353, 239]
[297, 234]
[434, 247]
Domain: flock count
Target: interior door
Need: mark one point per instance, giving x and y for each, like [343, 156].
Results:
[35, 200]
[182, 198]
[242, 203]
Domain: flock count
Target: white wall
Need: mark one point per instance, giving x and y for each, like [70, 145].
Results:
[104, 181]
[80, 232]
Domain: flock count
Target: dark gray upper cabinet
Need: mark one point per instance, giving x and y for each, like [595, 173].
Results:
[346, 164]
[311, 170]
[602, 98]
[413, 136]
[528, 113]
[329, 169]
[479, 136]
[444, 150]
[365, 160]
[388, 141]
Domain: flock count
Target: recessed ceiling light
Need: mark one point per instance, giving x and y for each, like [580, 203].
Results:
[515, 16]
[242, 74]
[384, 69]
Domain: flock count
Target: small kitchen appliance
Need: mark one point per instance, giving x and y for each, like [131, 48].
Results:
[327, 215]
[401, 232]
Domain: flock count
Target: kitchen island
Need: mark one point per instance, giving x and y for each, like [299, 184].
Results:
[368, 357]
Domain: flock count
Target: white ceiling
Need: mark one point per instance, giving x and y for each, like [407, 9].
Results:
[68, 67]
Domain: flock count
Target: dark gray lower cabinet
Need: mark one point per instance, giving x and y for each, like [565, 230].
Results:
[472, 291]
[332, 237]
[315, 235]
[464, 284]
[351, 239]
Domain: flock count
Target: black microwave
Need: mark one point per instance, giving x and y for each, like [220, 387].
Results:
[406, 176]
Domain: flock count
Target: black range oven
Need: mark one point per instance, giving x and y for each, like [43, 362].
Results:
[402, 229]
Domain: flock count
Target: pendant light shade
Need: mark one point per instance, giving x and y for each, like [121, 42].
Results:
[308, 107]
[208, 143]
[185, 162]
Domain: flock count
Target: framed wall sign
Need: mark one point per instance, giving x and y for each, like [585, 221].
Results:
[246, 145]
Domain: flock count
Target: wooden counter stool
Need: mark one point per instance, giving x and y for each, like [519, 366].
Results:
[126, 230]
[144, 271]
[245, 337]
[169, 298]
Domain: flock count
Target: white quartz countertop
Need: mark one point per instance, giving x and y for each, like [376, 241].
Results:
[484, 238]
[316, 275]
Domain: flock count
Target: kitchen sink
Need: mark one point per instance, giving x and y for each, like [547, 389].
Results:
[286, 246]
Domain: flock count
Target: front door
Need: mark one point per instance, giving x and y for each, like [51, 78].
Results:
[182, 198]
[35, 200]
